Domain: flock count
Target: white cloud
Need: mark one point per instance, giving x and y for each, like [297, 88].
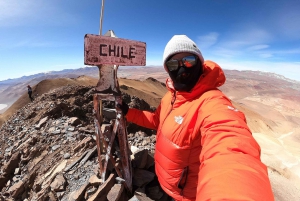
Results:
[278, 54]
[247, 42]
[265, 55]
[288, 51]
[288, 21]
[208, 40]
[39, 43]
[290, 70]
[249, 36]
[15, 8]
[14, 12]
[225, 52]
[29, 43]
[32, 12]
[257, 47]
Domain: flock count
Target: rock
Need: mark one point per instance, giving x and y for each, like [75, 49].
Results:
[41, 123]
[60, 194]
[85, 130]
[9, 168]
[17, 171]
[71, 139]
[8, 182]
[79, 194]
[74, 121]
[102, 191]
[17, 189]
[95, 181]
[9, 149]
[134, 149]
[55, 147]
[150, 161]
[84, 142]
[57, 122]
[146, 141]
[70, 134]
[154, 192]
[142, 177]
[67, 156]
[140, 158]
[59, 183]
[71, 129]
[115, 192]
[109, 113]
[141, 134]
[139, 195]
[52, 129]
[120, 180]
[140, 198]
[51, 196]
[89, 191]
[56, 132]
[15, 179]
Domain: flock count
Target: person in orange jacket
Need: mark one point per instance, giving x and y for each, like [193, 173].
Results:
[204, 148]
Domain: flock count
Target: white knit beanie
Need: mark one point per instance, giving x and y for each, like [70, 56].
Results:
[181, 43]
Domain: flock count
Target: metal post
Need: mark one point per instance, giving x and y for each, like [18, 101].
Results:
[101, 17]
[131, 53]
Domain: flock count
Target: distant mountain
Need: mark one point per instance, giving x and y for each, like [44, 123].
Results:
[51, 75]
[12, 89]
[139, 71]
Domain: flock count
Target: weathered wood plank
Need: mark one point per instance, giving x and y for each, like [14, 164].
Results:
[99, 50]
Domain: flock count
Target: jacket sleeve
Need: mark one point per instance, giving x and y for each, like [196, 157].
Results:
[144, 118]
[231, 168]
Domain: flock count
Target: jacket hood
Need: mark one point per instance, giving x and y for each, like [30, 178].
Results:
[212, 77]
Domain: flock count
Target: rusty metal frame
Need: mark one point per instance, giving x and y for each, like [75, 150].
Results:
[108, 89]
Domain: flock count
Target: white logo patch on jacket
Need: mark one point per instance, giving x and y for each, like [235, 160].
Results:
[232, 108]
[178, 119]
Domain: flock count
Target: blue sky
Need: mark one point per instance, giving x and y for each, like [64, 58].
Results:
[40, 36]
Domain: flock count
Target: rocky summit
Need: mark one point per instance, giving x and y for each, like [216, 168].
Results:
[48, 151]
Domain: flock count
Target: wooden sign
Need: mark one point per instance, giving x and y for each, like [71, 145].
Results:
[109, 50]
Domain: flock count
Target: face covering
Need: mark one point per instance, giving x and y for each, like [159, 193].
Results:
[184, 79]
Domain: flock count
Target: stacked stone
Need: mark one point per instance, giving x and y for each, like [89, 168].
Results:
[48, 152]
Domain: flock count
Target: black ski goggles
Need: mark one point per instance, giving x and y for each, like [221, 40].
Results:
[187, 61]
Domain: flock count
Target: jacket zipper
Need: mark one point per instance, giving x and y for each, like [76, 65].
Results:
[183, 178]
[172, 102]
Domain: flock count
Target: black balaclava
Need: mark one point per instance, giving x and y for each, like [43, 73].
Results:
[184, 79]
[179, 44]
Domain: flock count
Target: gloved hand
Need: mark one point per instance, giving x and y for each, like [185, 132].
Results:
[124, 107]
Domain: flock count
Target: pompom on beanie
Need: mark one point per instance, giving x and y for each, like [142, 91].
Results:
[179, 44]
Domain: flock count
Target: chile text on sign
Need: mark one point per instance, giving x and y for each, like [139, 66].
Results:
[108, 50]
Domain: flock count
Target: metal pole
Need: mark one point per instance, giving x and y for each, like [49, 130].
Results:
[101, 17]
[98, 110]
[100, 33]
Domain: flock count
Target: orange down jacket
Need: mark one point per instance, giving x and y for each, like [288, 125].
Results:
[204, 148]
